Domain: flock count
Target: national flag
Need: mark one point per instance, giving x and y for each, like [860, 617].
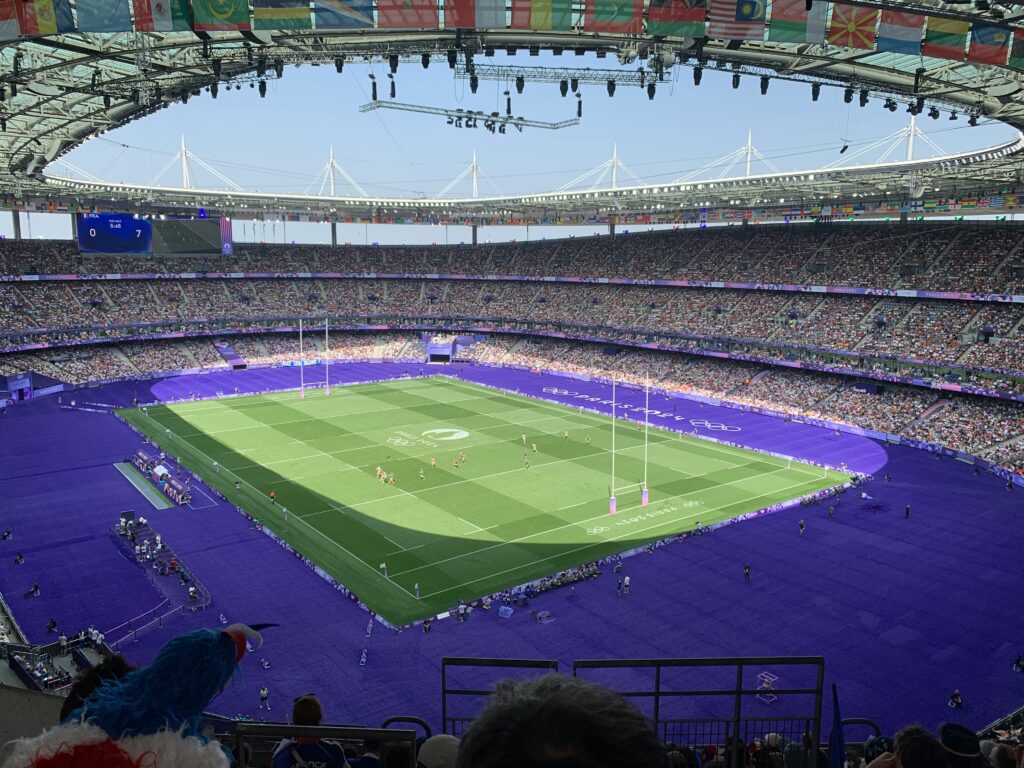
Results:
[407, 14]
[343, 14]
[161, 15]
[281, 14]
[945, 38]
[542, 14]
[679, 18]
[1017, 49]
[900, 32]
[791, 22]
[474, 14]
[737, 19]
[220, 15]
[104, 16]
[615, 16]
[9, 28]
[853, 26]
[836, 741]
[989, 45]
[44, 17]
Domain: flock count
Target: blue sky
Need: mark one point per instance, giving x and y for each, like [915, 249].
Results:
[280, 142]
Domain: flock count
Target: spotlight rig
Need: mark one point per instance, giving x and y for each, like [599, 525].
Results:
[495, 122]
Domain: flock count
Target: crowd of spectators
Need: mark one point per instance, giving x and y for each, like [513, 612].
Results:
[935, 332]
[968, 257]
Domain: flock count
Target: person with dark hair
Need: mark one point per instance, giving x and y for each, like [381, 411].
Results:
[308, 750]
[956, 700]
[33, 591]
[111, 668]
[559, 721]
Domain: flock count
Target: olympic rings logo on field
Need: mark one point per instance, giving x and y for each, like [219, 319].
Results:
[713, 426]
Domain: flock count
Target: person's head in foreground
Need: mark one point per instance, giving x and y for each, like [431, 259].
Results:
[559, 722]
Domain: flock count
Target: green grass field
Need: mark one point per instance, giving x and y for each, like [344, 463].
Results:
[463, 532]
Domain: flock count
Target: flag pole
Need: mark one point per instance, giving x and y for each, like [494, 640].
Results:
[327, 356]
[647, 424]
[611, 501]
[302, 364]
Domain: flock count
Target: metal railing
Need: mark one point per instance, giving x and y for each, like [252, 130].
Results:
[456, 724]
[255, 737]
[720, 702]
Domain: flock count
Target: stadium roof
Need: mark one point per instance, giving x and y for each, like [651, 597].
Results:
[60, 90]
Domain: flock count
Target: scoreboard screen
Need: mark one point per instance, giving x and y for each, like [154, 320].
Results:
[198, 237]
[114, 233]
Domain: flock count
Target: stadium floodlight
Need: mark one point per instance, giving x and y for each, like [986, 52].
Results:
[339, 64]
[651, 90]
[215, 65]
[698, 73]
[815, 91]
[864, 97]
[474, 83]
[213, 89]
[520, 83]
[425, 60]
[953, 116]
[489, 51]
[972, 120]
[735, 80]
[764, 84]
[392, 79]
[261, 65]
[574, 84]
[508, 103]
[919, 104]
[611, 88]
[933, 113]
[848, 95]
[106, 101]
[579, 105]
[393, 63]
[263, 89]
[453, 58]
[563, 88]
[373, 88]
[279, 68]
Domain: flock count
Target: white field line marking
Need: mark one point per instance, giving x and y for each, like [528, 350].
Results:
[381, 445]
[216, 403]
[315, 530]
[311, 418]
[581, 522]
[603, 420]
[484, 477]
[701, 512]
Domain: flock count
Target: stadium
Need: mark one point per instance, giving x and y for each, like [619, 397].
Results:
[734, 450]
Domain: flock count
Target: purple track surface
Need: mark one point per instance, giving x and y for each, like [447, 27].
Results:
[902, 610]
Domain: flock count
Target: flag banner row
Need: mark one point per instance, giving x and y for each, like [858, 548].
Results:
[783, 21]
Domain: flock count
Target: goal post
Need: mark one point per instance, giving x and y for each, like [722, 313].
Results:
[613, 489]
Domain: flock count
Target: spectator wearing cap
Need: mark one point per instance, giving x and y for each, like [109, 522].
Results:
[963, 750]
[308, 750]
[439, 751]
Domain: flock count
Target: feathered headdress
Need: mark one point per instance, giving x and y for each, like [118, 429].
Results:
[151, 717]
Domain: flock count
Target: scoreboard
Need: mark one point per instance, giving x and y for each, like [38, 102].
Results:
[123, 233]
[114, 233]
